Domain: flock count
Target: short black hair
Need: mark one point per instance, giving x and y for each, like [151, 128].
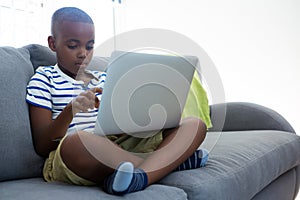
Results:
[71, 14]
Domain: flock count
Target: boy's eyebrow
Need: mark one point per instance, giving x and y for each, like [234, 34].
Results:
[78, 41]
[73, 40]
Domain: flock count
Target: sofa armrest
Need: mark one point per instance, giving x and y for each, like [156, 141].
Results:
[238, 116]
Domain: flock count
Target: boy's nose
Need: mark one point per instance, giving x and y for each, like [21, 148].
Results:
[82, 53]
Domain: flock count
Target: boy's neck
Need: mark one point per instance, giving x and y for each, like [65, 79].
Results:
[80, 75]
[67, 72]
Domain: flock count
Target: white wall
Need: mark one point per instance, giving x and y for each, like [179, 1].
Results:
[28, 21]
[255, 45]
[100, 11]
[20, 22]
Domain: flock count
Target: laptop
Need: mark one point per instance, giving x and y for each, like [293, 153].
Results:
[143, 93]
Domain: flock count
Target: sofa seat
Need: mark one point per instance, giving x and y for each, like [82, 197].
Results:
[242, 162]
[232, 161]
[37, 188]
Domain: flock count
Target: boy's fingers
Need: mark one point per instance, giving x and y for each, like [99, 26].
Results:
[97, 103]
[97, 90]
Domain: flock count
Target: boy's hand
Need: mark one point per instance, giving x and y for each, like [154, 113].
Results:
[86, 100]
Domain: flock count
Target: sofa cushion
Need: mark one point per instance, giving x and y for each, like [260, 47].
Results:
[18, 158]
[248, 160]
[42, 56]
[36, 189]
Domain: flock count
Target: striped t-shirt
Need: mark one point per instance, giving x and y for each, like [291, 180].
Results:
[52, 89]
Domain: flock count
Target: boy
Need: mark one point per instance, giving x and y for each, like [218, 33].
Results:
[63, 103]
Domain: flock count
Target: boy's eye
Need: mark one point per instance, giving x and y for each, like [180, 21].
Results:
[89, 48]
[72, 46]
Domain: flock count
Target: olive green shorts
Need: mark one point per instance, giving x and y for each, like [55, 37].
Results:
[56, 170]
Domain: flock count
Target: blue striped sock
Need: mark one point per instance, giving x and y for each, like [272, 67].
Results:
[126, 179]
[196, 160]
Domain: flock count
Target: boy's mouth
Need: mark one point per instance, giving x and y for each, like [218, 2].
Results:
[80, 64]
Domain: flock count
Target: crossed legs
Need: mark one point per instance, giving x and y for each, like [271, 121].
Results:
[94, 158]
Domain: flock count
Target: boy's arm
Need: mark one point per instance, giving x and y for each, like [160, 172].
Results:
[46, 131]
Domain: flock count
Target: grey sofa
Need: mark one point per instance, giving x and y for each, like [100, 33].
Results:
[254, 153]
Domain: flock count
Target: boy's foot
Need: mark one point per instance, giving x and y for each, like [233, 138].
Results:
[197, 160]
[126, 179]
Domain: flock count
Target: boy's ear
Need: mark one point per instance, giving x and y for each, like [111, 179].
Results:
[51, 43]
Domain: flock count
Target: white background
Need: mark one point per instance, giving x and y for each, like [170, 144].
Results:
[255, 44]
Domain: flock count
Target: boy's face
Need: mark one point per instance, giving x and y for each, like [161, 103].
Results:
[73, 43]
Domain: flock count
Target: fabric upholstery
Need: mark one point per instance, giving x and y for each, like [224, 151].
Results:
[248, 160]
[42, 56]
[282, 188]
[246, 116]
[98, 63]
[36, 189]
[18, 158]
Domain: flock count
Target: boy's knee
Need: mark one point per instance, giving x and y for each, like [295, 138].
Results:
[195, 122]
[72, 144]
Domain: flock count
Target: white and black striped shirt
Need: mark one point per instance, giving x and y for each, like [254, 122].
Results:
[52, 89]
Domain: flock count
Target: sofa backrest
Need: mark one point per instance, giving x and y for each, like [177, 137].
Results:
[18, 158]
[43, 56]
